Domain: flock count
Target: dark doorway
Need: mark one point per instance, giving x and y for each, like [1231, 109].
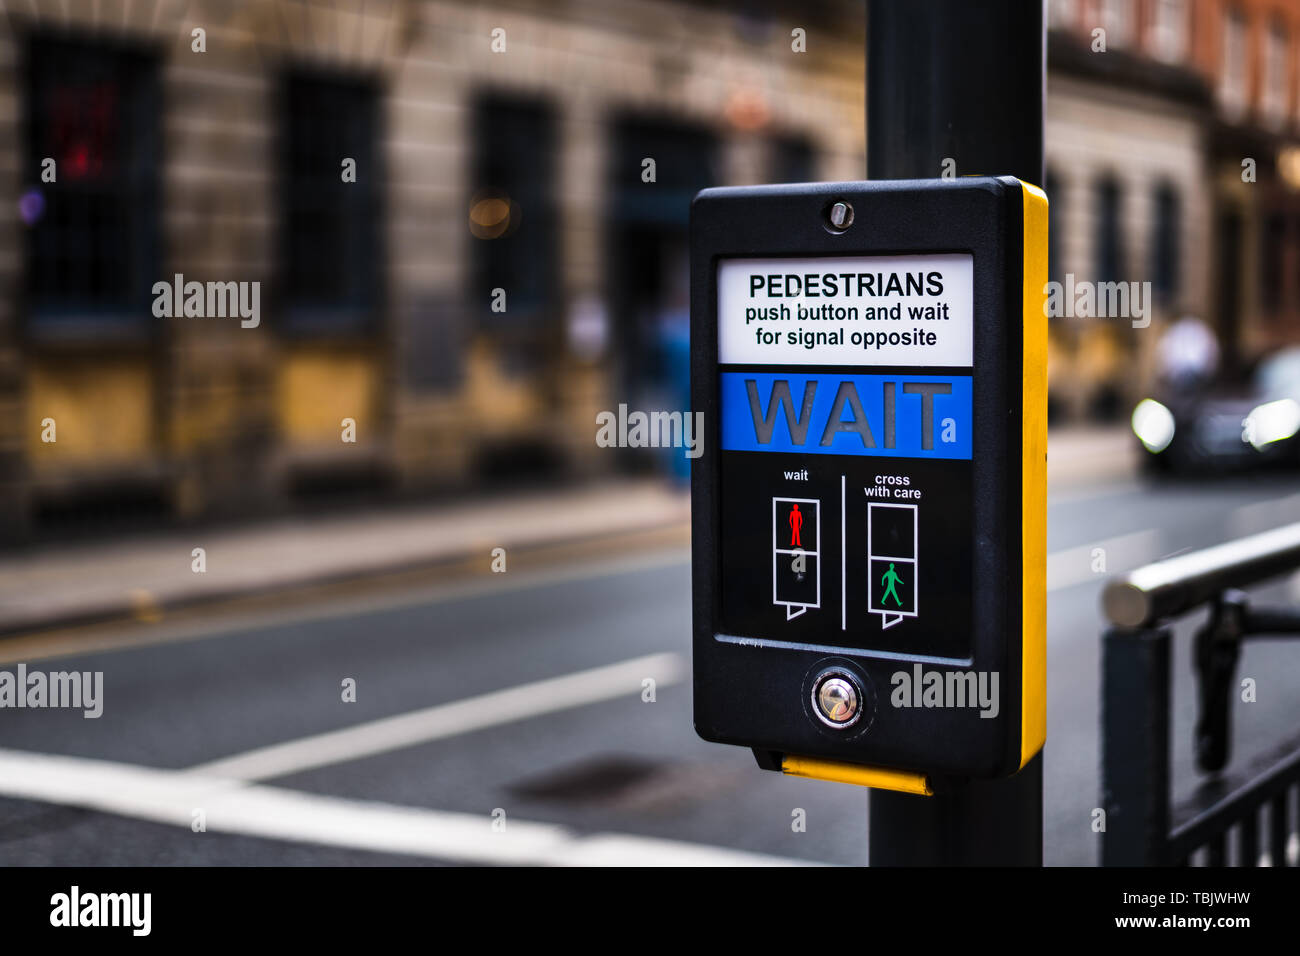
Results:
[1229, 292]
[649, 258]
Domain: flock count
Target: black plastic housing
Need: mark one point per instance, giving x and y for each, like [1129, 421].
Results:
[756, 696]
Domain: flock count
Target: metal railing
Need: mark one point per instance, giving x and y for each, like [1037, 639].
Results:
[1248, 823]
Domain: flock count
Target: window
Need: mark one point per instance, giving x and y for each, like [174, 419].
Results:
[92, 243]
[686, 158]
[1272, 262]
[1230, 230]
[1295, 99]
[1061, 15]
[512, 212]
[1118, 21]
[1109, 262]
[331, 233]
[1272, 100]
[1169, 30]
[792, 161]
[649, 243]
[1232, 75]
[1165, 244]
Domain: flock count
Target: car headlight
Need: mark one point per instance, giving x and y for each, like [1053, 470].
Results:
[1272, 421]
[1153, 424]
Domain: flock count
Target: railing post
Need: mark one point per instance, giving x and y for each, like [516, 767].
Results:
[1135, 746]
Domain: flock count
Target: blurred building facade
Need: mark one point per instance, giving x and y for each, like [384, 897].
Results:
[501, 268]
[1172, 135]
[468, 221]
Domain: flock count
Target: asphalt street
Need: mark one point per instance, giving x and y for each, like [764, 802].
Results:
[505, 717]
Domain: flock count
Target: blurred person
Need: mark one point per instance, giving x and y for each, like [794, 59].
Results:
[1188, 354]
[673, 336]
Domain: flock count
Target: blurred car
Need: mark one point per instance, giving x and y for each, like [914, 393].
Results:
[1225, 428]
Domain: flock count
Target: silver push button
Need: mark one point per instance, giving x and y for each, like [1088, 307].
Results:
[836, 701]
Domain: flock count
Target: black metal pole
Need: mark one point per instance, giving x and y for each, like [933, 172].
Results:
[957, 88]
[976, 823]
[955, 80]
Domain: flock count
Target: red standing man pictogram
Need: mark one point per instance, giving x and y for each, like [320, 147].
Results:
[796, 522]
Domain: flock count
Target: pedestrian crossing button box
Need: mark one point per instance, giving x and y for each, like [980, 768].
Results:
[868, 513]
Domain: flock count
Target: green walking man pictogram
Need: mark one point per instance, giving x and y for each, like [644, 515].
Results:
[891, 579]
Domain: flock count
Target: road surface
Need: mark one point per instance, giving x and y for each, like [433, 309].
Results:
[507, 718]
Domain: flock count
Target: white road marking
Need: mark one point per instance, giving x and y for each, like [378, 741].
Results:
[231, 806]
[1072, 566]
[448, 720]
[1263, 515]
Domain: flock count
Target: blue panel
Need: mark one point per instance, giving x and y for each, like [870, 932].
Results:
[841, 395]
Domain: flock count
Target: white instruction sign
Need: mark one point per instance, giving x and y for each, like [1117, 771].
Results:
[866, 310]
